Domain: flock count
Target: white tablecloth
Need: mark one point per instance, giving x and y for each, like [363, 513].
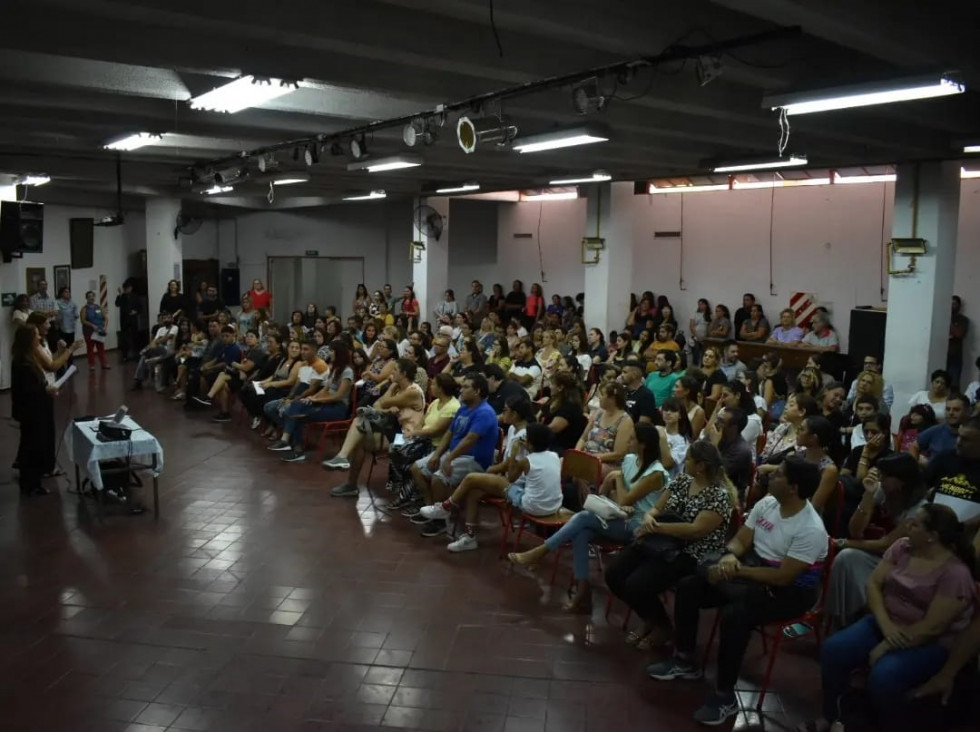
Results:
[86, 450]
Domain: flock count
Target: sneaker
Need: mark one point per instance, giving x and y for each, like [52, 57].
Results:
[397, 504]
[336, 463]
[256, 421]
[345, 490]
[674, 668]
[717, 710]
[433, 528]
[465, 543]
[435, 512]
[279, 446]
[418, 519]
[179, 396]
[203, 401]
[221, 417]
[296, 457]
[411, 509]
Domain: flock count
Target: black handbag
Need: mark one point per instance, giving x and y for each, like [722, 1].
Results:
[661, 546]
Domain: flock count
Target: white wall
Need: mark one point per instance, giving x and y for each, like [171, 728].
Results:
[113, 247]
[378, 232]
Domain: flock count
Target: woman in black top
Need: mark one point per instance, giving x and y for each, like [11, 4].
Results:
[515, 301]
[32, 406]
[566, 414]
[176, 302]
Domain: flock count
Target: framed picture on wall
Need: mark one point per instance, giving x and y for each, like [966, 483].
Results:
[62, 278]
[34, 275]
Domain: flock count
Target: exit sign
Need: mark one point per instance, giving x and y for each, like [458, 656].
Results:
[312, 253]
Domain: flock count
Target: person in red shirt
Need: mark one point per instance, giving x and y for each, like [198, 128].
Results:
[533, 306]
[261, 298]
[410, 307]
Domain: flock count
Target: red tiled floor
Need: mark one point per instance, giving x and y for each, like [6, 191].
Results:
[258, 602]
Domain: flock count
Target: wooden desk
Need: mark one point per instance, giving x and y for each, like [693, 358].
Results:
[794, 357]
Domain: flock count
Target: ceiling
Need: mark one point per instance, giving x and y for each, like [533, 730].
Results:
[75, 74]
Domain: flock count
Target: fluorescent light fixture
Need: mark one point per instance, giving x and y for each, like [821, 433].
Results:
[289, 179]
[460, 188]
[134, 142]
[373, 195]
[571, 137]
[34, 180]
[787, 161]
[688, 189]
[864, 95]
[854, 179]
[242, 93]
[600, 176]
[213, 190]
[965, 174]
[380, 165]
[559, 196]
[972, 149]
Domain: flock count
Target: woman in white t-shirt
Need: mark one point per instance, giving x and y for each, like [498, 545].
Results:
[935, 395]
[636, 487]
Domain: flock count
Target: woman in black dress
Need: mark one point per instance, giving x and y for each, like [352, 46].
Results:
[33, 406]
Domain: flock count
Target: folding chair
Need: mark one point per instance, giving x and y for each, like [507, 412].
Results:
[333, 427]
[776, 631]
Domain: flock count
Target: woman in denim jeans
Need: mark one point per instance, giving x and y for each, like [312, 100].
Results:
[636, 488]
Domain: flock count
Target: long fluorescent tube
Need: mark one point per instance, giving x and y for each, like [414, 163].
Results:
[367, 197]
[972, 149]
[964, 173]
[596, 177]
[218, 189]
[864, 95]
[563, 196]
[380, 165]
[134, 142]
[289, 179]
[688, 189]
[34, 180]
[854, 179]
[558, 139]
[460, 189]
[762, 164]
[242, 93]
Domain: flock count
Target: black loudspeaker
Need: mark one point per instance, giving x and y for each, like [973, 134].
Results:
[867, 336]
[231, 288]
[82, 237]
[21, 228]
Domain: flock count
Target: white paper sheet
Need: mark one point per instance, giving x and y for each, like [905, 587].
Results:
[258, 388]
[97, 337]
[65, 376]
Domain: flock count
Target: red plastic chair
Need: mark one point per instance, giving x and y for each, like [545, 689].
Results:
[337, 426]
[776, 631]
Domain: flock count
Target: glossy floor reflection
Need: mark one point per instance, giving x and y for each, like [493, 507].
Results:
[258, 602]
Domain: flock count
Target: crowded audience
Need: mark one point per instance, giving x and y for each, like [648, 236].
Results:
[474, 410]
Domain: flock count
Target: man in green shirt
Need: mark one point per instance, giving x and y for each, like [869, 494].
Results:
[661, 382]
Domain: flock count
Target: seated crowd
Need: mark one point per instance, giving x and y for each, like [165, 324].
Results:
[742, 487]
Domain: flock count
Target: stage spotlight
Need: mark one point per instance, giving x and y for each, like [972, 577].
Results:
[587, 98]
[418, 132]
[358, 147]
[474, 131]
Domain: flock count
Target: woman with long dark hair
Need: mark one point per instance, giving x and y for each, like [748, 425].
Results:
[920, 596]
[697, 326]
[33, 407]
[636, 487]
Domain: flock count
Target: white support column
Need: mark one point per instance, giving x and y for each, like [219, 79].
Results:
[608, 282]
[11, 280]
[431, 275]
[164, 252]
[927, 199]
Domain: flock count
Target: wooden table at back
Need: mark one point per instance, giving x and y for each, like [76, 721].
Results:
[794, 357]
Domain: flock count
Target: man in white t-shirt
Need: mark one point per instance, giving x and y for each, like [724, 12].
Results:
[159, 347]
[525, 370]
[771, 572]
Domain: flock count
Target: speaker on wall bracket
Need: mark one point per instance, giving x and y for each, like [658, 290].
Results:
[21, 228]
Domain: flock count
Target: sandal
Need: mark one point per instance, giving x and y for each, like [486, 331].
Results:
[634, 637]
[656, 638]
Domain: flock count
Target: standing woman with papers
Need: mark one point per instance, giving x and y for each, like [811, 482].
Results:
[95, 320]
[33, 407]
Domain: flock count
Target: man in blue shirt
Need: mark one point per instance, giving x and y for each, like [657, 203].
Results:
[941, 437]
[466, 447]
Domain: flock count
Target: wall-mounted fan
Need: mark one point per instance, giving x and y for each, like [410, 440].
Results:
[428, 222]
[186, 225]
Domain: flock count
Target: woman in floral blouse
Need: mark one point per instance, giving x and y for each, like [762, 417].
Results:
[700, 502]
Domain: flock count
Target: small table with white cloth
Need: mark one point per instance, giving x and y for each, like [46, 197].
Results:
[87, 451]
